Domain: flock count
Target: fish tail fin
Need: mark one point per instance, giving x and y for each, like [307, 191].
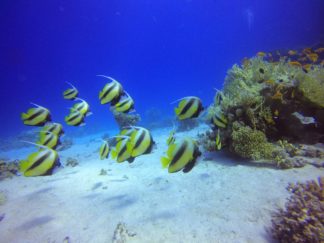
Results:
[24, 116]
[165, 162]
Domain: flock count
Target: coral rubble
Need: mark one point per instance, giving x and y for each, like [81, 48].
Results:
[72, 162]
[302, 220]
[125, 119]
[8, 169]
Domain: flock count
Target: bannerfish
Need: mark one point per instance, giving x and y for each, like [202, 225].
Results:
[140, 142]
[189, 107]
[126, 131]
[171, 138]
[75, 118]
[219, 120]
[181, 155]
[104, 150]
[218, 97]
[120, 152]
[70, 94]
[40, 163]
[82, 106]
[124, 105]
[111, 91]
[36, 116]
[218, 141]
[55, 128]
[48, 139]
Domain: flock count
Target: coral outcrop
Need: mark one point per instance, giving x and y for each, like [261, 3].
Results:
[302, 220]
[125, 119]
[264, 102]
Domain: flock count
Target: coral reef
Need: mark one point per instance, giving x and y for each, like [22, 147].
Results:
[72, 162]
[207, 140]
[250, 143]
[302, 220]
[311, 85]
[8, 169]
[125, 119]
[265, 102]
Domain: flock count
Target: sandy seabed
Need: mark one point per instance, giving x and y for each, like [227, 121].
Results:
[220, 200]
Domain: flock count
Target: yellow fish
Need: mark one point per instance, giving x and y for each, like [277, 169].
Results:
[49, 140]
[40, 163]
[218, 141]
[55, 128]
[75, 118]
[140, 142]
[124, 105]
[104, 150]
[70, 94]
[189, 107]
[111, 91]
[181, 155]
[36, 116]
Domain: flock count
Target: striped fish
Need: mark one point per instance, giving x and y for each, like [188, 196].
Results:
[82, 106]
[104, 150]
[218, 141]
[140, 142]
[219, 119]
[120, 152]
[75, 118]
[55, 128]
[111, 91]
[218, 97]
[70, 94]
[36, 116]
[40, 163]
[125, 105]
[171, 138]
[49, 140]
[181, 155]
[189, 107]
[127, 131]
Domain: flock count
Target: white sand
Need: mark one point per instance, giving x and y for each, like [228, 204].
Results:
[218, 201]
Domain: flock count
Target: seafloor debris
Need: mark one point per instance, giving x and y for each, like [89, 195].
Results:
[103, 172]
[121, 234]
[72, 162]
[302, 220]
[65, 144]
[8, 169]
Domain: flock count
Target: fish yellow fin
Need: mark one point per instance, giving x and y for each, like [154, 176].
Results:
[171, 149]
[177, 111]
[165, 161]
[114, 154]
[23, 166]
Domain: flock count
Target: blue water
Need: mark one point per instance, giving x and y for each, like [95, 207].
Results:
[160, 50]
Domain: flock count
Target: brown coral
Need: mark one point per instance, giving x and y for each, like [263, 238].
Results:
[303, 218]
